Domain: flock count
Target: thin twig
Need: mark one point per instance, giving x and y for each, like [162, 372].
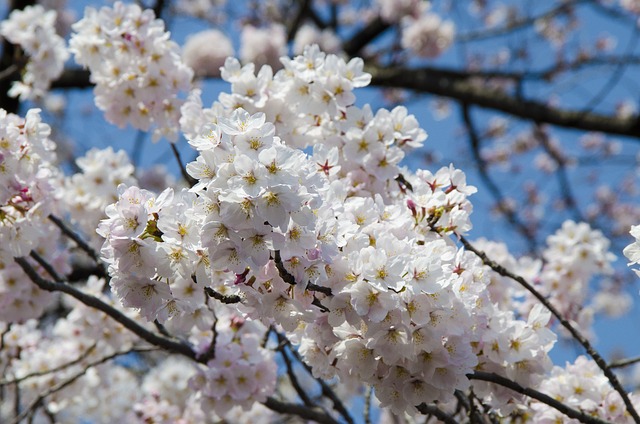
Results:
[80, 242]
[430, 409]
[79, 359]
[516, 25]
[38, 400]
[46, 265]
[211, 350]
[301, 411]
[188, 178]
[512, 218]
[367, 405]
[294, 379]
[563, 179]
[624, 362]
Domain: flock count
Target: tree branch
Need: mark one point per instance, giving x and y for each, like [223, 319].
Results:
[429, 409]
[363, 37]
[299, 410]
[512, 217]
[455, 85]
[112, 312]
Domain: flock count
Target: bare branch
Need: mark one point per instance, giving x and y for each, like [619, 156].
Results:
[624, 362]
[430, 409]
[188, 178]
[363, 37]
[80, 242]
[94, 302]
[294, 379]
[522, 23]
[534, 394]
[299, 410]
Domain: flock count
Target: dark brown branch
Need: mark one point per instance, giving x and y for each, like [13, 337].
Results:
[566, 324]
[12, 62]
[210, 353]
[455, 86]
[363, 37]
[61, 367]
[301, 411]
[226, 299]
[94, 302]
[297, 20]
[534, 394]
[290, 279]
[429, 409]
[76, 238]
[624, 362]
[294, 379]
[73, 78]
[46, 265]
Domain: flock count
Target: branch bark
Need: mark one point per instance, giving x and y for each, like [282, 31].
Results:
[534, 394]
[458, 86]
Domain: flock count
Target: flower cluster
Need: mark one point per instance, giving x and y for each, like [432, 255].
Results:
[28, 180]
[88, 192]
[137, 70]
[242, 371]
[632, 251]
[398, 288]
[574, 256]
[33, 29]
[428, 35]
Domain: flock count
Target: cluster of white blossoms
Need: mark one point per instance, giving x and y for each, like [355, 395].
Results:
[263, 46]
[137, 69]
[583, 387]
[206, 51]
[428, 35]
[88, 192]
[574, 255]
[33, 30]
[241, 372]
[407, 312]
[300, 221]
[28, 181]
